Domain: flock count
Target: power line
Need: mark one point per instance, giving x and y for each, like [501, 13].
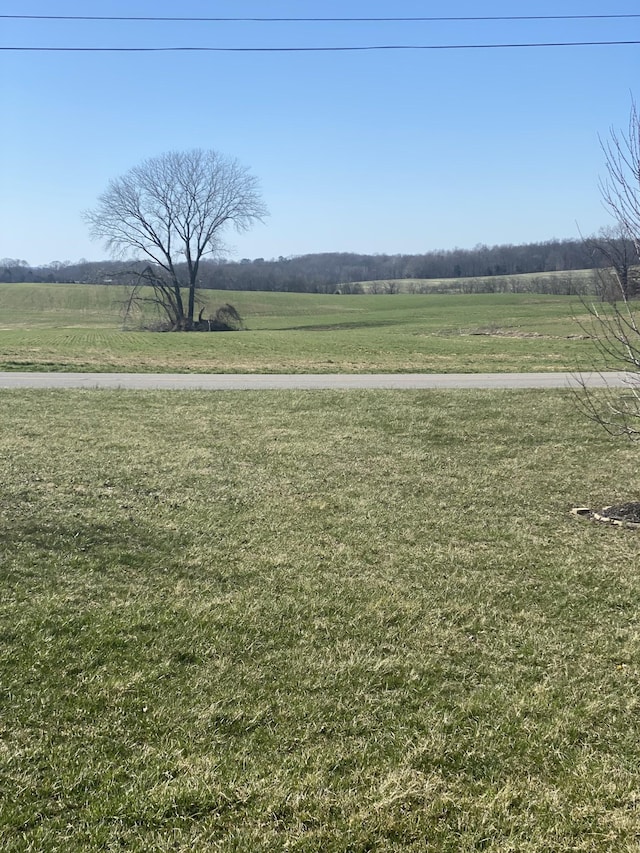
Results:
[375, 47]
[318, 19]
[383, 47]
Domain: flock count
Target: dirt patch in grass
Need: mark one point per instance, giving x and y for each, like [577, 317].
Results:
[624, 515]
[519, 333]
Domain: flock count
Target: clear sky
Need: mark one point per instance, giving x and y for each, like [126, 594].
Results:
[395, 151]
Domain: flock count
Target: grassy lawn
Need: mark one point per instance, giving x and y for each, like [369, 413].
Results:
[77, 327]
[315, 621]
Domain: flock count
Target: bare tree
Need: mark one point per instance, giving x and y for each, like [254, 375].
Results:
[172, 210]
[614, 323]
[621, 187]
[614, 259]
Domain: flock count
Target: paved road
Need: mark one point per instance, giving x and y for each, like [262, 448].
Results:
[261, 381]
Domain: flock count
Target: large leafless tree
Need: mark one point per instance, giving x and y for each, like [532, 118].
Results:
[172, 210]
[614, 322]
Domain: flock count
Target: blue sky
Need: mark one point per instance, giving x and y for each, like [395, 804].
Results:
[375, 152]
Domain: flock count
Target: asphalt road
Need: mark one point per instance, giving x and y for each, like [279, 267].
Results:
[308, 381]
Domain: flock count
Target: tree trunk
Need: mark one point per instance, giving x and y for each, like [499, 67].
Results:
[193, 275]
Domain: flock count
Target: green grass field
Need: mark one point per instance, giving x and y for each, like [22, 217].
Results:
[77, 327]
[315, 621]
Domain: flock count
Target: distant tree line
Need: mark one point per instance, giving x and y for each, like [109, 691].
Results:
[482, 268]
[67, 272]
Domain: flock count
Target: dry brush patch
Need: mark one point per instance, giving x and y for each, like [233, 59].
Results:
[314, 621]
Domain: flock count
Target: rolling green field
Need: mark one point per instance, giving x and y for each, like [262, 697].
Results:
[78, 327]
[325, 622]
[315, 621]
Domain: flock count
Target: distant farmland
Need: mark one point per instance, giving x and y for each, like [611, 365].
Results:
[561, 283]
[79, 327]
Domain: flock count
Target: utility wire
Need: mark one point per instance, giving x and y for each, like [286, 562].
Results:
[318, 19]
[382, 47]
[317, 49]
